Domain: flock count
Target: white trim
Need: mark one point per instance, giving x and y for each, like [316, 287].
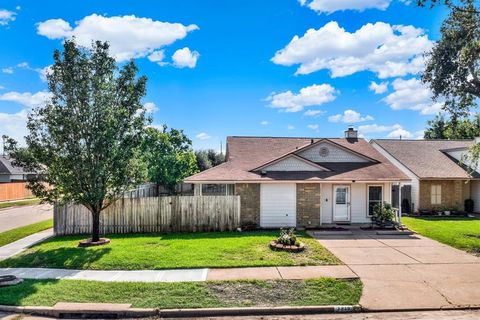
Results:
[333, 143]
[313, 164]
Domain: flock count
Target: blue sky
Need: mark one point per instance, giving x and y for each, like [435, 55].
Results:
[219, 68]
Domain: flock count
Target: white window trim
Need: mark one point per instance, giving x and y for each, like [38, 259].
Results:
[437, 195]
[368, 196]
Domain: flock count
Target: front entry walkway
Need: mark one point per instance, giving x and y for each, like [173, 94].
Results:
[401, 272]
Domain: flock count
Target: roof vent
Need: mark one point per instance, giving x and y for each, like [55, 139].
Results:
[351, 133]
[312, 141]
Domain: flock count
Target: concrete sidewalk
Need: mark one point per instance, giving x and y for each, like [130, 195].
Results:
[18, 246]
[182, 275]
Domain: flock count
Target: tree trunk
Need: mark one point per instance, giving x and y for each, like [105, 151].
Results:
[96, 226]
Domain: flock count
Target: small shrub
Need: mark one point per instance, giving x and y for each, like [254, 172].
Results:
[287, 237]
[383, 213]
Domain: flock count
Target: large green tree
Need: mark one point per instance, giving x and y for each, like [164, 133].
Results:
[207, 159]
[168, 157]
[441, 127]
[84, 141]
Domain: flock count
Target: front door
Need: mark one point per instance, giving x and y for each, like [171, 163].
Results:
[341, 204]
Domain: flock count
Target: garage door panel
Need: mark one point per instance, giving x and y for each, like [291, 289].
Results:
[278, 205]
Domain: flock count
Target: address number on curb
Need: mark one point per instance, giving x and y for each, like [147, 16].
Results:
[342, 309]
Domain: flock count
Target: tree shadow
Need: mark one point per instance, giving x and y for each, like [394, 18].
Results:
[62, 258]
[16, 294]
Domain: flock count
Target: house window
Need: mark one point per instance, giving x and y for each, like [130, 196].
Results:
[436, 194]
[374, 197]
[218, 189]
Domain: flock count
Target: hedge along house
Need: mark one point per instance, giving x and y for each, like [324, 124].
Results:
[439, 180]
[302, 182]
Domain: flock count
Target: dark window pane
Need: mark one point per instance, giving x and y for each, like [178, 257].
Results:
[375, 193]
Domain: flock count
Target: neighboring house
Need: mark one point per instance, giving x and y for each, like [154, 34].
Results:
[11, 173]
[302, 182]
[439, 180]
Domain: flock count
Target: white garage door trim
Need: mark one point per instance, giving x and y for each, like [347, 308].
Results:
[278, 205]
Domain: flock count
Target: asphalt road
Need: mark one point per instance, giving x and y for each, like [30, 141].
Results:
[15, 217]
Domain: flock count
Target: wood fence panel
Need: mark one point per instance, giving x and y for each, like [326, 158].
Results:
[154, 214]
[14, 191]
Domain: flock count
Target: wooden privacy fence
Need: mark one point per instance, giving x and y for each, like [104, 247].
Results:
[14, 191]
[154, 214]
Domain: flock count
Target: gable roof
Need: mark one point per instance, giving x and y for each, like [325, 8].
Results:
[245, 154]
[428, 159]
[291, 156]
[6, 166]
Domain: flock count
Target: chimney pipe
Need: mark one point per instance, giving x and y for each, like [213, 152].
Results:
[351, 133]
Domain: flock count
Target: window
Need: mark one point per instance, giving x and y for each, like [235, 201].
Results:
[436, 194]
[341, 196]
[218, 189]
[374, 197]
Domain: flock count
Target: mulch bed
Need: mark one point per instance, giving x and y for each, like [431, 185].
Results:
[274, 245]
[88, 242]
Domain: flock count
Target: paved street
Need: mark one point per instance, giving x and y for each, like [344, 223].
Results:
[408, 271]
[15, 217]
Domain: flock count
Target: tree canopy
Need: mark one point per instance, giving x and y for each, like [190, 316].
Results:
[84, 141]
[442, 128]
[207, 159]
[168, 157]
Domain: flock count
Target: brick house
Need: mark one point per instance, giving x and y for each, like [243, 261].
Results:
[302, 182]
[438, 180]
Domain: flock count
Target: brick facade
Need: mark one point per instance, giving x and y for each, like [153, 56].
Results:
[249, 202]
[308, 205]
[454, 193]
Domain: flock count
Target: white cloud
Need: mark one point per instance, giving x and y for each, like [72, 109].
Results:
[129, 36]
[400, 133]
[412, 94]
[312, 126]
[14, 125]
[8, 70]
[185, 58]
[150, 107]
[6, 17]
[264, 123]
[329, 6]
[313, 95]
[157, 56]
[43, 72]
[349, 116]
[375, 128]
[313, 113]
[378, 88]
[386, 50]
[203, 136]
[26, 98]
[290, 127]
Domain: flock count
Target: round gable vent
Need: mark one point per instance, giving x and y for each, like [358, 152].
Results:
[324, 151]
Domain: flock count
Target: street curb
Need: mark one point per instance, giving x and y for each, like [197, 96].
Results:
[179, 313]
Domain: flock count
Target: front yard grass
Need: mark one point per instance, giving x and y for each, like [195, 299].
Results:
[19, 203]
[169, 251]
[459, 232]
[186, 294]
[19, 233]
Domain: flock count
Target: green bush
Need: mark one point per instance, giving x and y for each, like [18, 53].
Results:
[287, 237]
[383, 212]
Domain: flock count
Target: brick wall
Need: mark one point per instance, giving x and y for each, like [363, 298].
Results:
[454, 193]
[308, 205]
[249, 202]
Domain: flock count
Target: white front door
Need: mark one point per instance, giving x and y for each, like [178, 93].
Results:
[278, 205]
[341, 203]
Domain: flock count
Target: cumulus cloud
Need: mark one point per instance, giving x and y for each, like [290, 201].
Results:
[7, 70]
[6, 17]
[378, 88]
[27, 99]
[264, 123]
[349, 116]
[14, 125]
[400, 133]
[312, 126]
[313, 113]
[158, 56]
[313, 95]
[329, 6]
[150, 107]
[129, 36]
[184, 58]
[386, 50]
[394, 131]
[412, 94]
[203, 136]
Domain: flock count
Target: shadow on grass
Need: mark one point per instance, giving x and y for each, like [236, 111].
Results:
[17, 294]
[67, 258]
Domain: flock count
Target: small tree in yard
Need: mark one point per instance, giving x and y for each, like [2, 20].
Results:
[85, 140]
[168, 157]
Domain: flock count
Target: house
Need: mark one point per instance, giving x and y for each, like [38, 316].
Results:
[11, 173]
[302, 182]
[439, 181]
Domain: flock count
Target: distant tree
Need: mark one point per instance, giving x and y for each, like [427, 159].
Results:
[436, 128]
[207, 159]
[168, 157]
[443, 128]
[85, 140]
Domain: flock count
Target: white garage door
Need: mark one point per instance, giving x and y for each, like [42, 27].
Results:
[278, 205]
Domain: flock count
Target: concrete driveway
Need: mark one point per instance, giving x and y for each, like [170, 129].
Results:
[407, 271]
[15, 217]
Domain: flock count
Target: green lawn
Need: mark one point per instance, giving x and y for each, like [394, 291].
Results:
[19, 233]
[185, 294]
[166, 251]
[26, 202]
[459, 232]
